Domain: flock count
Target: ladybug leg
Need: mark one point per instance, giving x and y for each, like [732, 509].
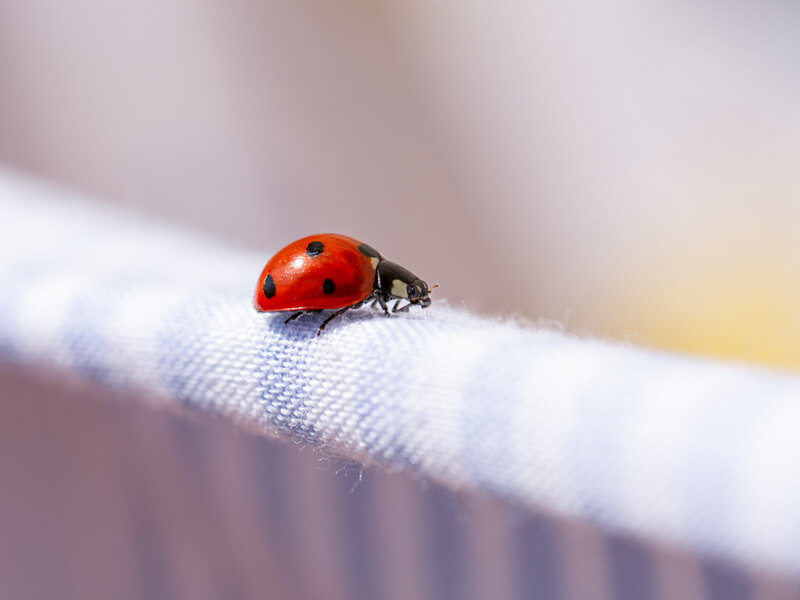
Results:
[332, 317]
[374, 302]
[402, 309]
[293, 317]
[382, 302]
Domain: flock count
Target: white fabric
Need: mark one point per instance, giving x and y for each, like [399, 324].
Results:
[700, 455]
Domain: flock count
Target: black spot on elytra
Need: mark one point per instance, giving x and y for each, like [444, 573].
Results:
[368, 250]
[315, 249]
[329, 286]
[269, 286]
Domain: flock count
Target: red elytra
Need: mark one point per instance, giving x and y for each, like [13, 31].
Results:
[334, 272]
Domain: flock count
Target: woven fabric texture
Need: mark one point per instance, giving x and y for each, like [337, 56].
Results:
[700, 455]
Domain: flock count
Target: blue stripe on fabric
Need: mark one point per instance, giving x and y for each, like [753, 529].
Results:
[444, 543]
[538, 559]
[83, 333]
[192, 446]
[183, 341]
[631, 569]
[357, 505]
[283, 386]
[272, 488]
[722, 581]
[152, 561]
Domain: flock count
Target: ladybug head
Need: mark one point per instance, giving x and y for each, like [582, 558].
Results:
[417, 292]
[395, 281]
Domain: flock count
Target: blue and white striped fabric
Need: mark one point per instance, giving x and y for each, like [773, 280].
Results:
[606, 465]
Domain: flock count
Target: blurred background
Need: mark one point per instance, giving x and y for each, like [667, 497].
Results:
[628, 169]
[631, 169]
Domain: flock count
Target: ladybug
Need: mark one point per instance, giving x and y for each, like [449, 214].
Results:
[335, 272]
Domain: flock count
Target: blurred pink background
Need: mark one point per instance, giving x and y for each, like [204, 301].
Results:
[629, 169]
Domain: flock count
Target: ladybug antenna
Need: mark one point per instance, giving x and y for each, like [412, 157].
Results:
[433, 287]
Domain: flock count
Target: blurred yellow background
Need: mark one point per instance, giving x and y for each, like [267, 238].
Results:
[631, 169]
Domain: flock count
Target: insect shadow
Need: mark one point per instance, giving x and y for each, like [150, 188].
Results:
[316, 323]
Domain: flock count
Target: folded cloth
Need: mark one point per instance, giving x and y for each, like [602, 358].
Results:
[700, 455]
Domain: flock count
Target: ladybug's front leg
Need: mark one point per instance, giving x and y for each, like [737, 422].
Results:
[403, 309]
